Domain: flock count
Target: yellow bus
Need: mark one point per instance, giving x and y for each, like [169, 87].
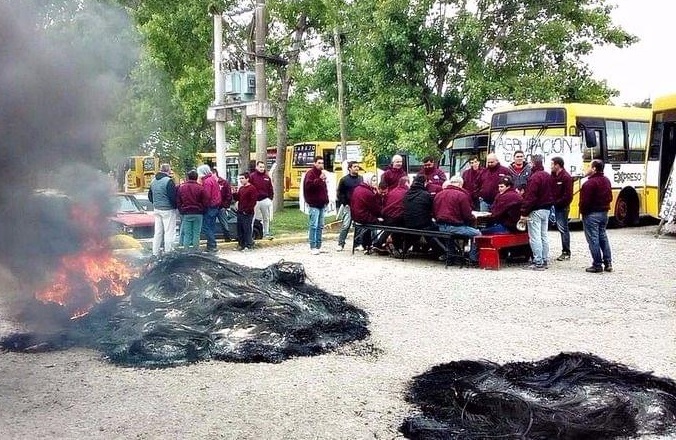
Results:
[139, 171]
[461, 149]
[661, 152]
[300, 158]
[580, 133]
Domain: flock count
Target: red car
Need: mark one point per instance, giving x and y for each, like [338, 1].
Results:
[130, 218]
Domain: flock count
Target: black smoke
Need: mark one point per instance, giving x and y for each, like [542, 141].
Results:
[62, 65]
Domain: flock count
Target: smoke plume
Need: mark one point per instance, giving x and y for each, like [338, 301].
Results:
[61, 66]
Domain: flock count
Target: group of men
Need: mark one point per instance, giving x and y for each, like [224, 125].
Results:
[203, 198]
[522, 192]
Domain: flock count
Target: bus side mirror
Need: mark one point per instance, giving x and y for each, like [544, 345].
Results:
[590, 137]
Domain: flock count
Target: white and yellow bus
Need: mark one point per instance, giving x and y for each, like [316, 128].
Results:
[661, 152]
[461, 149]
[300, 158]
[580, 133]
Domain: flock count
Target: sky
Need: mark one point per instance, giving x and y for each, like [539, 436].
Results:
[645, 69]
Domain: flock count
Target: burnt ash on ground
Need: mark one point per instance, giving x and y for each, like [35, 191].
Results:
[568, 396]
[190, 307]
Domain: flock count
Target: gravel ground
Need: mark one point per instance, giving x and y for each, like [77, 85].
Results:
[421, 315]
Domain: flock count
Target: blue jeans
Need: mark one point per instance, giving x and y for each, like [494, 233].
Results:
[562, 226]
[191, 225]
[467, 231]
[594, 225]
[345, 226]
[484, 206]
[209, 226]
[538, 222]
[316, 227]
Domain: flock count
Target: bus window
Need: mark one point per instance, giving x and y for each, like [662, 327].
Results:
[638, 136]
[615, 141]
[304, 155]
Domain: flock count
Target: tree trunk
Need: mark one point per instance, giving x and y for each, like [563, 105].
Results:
[282, 110]
[245, 143]
[341, 99]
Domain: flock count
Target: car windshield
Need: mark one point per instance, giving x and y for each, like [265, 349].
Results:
[127, 204]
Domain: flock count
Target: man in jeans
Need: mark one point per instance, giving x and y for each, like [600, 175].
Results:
[316, 195]
[563, 195]
[595, 198]
[537, 201]
[345, 189]
[213, 194]
[452, 209]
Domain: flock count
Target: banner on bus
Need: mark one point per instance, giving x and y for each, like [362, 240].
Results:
[668, 208]
[567, 147]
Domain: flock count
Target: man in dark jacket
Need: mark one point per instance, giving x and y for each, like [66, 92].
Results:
[520, 171]
[506, 209]
[162, 194]
[487, 182]
[537, 201]
[563, 196]
[316, 196]
[595, 197]
[346, 186]
[418, 206]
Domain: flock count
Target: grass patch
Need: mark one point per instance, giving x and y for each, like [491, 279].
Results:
[292, 221]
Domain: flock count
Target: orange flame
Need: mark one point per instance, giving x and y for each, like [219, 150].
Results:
[89, 277]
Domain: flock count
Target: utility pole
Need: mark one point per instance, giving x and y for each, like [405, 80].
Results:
[341, 103]
[263, 110]
[219, 92]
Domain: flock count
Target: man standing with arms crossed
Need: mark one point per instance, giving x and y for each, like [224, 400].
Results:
[162, 194]
[563, 196]
[595, 197]
[316, 195]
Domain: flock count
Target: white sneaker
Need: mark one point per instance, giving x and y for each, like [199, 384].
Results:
[359, 248]
[314, 251]
[339, 248]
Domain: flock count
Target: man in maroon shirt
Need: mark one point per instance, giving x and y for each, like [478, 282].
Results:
[394, 172]
[537, 201]
[506, 209]
[595, 197]
[246, 196]
[316, 196]
[487, 182]
[469, 177]
[191, 201]
[365, 207]
[563, 196]
[261, 180]
[434, 177]
[453, 212]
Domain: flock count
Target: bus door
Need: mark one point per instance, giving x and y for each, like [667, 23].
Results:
[329, 156]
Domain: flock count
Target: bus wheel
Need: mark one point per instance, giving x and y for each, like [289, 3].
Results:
[626, 212]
